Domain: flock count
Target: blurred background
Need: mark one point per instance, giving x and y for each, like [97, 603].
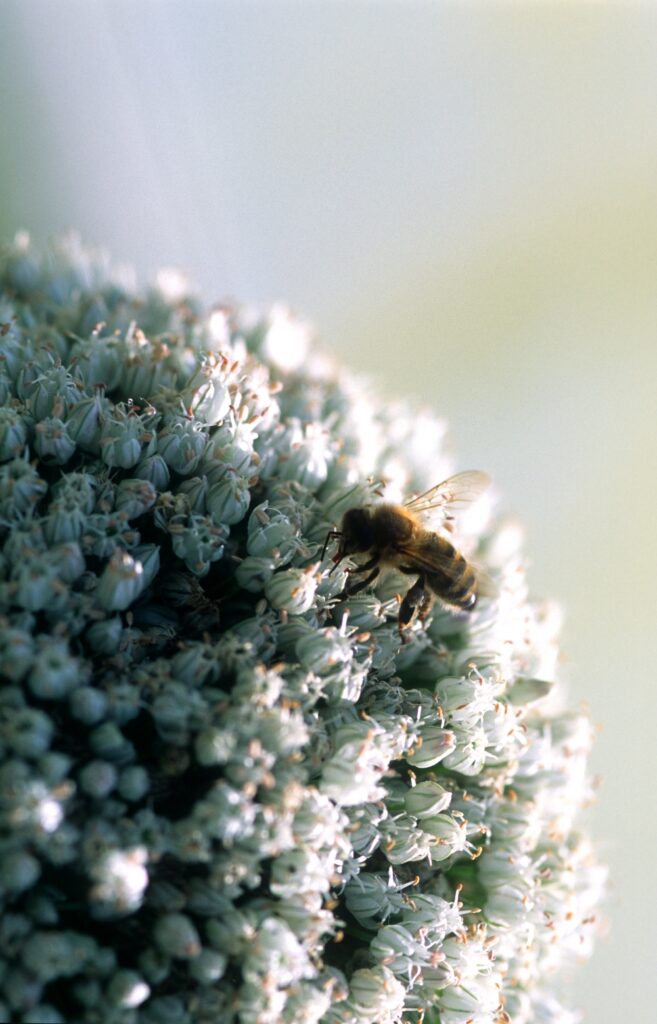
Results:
[463, 199]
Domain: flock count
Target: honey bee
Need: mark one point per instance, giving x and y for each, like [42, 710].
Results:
[398, 536]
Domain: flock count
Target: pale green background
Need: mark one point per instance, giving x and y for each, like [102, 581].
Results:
[463, 198]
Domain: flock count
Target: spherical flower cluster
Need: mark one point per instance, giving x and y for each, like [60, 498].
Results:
[230, 793]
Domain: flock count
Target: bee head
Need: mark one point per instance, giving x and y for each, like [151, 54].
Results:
[357, 532]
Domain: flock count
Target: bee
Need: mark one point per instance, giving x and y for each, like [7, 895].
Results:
[398, 536]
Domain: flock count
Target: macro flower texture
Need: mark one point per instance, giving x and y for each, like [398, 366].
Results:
[232, 792]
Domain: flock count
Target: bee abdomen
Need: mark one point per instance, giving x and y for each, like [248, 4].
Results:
[458, 586]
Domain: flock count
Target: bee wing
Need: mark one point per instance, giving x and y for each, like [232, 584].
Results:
[423, 560]
[456, 490]
[436, 561]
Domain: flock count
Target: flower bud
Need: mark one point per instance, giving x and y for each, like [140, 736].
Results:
[435, 743]
[83, 423]
[54, 671]
[104, 637]
[181, 445]
[134, 497]
[21, 488]
[208, 397]
[70, 561]
[230, 450]
[16, 652]
[176, 935]
[307, 459]
[36, 583]
[209, 966]
[154, 469]
[54, 767]
[253, 573]
[98, 779]
[198, 541]
[292, 590]
[324, 650]
[55, 389]
[122, 438]
[196, 490]
[469, 752]
[13, 434]
[134, 783]
[107, 741]
[121, 582]
[427, 799]
[377, 996]
[98, 361]
[127, 990]
[228, 500]
[31, 732]
[52, 442]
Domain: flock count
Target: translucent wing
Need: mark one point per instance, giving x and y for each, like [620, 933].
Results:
[434, 559]
[456, 490]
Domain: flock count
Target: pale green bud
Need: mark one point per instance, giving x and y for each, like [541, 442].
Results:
[198, 541]
[52, 442]
[230, 450]
[36, 583]
[98, 779]
[176, 936]
[52, 393]
[134, 783]
[54, 767]
[18, 871]
[228, 500]
[207, 395]
[308, 459]
[98, 361]
[155, 965]
[16, 652]
[104, 637]
[31, 732]
[208, 967]
[292, 590]
[134, 497]
[21, 488]
[107, 741]
[181, 445]
[196, 490]
[433, 745]
[324, 650]
[378, 997]
[84, 424]
[154, 469]
[253, 573]
[13, 434]
[426, 799]
[49, 955]
[54, 671]
[127, 990]
[121, 582]
[122, 439]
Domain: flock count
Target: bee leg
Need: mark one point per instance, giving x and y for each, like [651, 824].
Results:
[413, 605]
[361, 584]
[331, 535]
[366, 566]
[425, 606]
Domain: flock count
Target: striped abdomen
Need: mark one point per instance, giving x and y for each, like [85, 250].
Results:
[450, 577]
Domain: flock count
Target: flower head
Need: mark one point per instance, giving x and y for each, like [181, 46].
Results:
[230, 791]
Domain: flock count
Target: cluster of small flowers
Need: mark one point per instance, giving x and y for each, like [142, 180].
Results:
[229, 793]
